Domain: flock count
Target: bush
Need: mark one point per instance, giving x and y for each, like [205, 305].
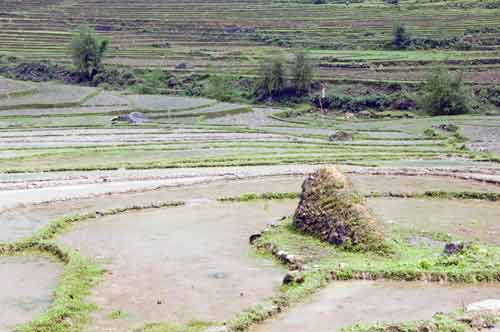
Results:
[401, 38]
[220, 87]
[354, 104]
[302, 73]
[116, 78]
[87, 50]
[272, 82]
[445, 94]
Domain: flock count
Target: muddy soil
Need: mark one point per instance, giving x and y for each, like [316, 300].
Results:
[26, 288]
[467, 219]
[485, 139]
[179, 264]
[344, 304]
[416, 184]
[259, 117]
[23, 221]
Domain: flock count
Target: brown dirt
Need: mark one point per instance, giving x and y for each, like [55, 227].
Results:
[26, 288]
[465, 219]
[346, 303]
[179, 264]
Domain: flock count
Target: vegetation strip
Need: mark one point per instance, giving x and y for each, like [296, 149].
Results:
[486, 196]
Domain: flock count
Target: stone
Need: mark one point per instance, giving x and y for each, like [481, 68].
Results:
[293, 277]
[183, 65]
[486, 305]
[453, 248]
[254, 237]
[449, 127]
[341, 136]
[133, 118]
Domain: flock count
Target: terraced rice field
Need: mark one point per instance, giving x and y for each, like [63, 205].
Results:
[235, 35]
[145, 227]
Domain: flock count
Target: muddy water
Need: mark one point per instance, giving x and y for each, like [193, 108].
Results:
[344, 304]
[469, 219]
[26, 289]
[416, 184]
[179, 264]
[23, 221]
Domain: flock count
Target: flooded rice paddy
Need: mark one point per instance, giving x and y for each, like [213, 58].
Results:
[346, 303]
[27, 284]
[179, 264]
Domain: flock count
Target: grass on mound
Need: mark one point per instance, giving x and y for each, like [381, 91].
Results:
[324, 263]
[191, 326]
[407, 262]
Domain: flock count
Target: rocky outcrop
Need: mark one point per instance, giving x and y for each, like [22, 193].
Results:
[341, 136]
[331, 210]
[133, 118]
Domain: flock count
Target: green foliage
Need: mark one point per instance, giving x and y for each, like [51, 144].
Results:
[248, 197]
[272, 78]
[302, 73]
[431, 133]
[191, 326]
[151, 81]
[355, 103]
[409, 262]
[445, 94]
[220, 87]
[117, 314]
[87, 50]
[401, 38]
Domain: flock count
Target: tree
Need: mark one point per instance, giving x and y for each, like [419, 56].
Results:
[220, 87]
[87, 50]
[272, 73]
[445, 94]
[401, 38]
[302, 73]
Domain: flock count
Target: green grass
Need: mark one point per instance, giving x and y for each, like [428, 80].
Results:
[192, 326]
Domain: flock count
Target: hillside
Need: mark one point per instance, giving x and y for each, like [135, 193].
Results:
[235, 35]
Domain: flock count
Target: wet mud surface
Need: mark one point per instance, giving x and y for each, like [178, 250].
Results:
[417, 184]
[24, 221]
[26, 289]
[179, 264]
[346, 303]
[467, 219]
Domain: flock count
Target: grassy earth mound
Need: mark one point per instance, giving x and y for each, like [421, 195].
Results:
[333, 211]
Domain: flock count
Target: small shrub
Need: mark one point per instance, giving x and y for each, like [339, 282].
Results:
[445, 94]
[87, 50]
[401, 38]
